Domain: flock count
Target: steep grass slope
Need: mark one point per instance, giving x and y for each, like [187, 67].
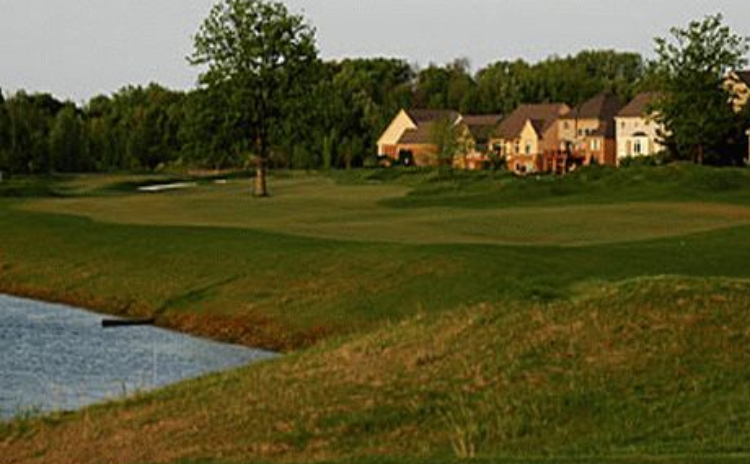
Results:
[648, 370]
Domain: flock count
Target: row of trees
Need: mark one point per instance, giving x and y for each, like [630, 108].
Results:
[335, 124]
[264, 92]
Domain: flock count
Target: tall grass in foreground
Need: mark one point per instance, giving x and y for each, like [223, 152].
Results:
[659, 366]
[649, 370]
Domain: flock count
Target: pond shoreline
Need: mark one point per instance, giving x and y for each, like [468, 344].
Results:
[60, 358]
[252, 331]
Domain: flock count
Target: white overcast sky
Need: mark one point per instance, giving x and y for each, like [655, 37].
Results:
[80, 48]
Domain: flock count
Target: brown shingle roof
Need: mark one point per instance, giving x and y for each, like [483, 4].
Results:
[541, 115]
[639, 106]
[419, 136]
[603, 107]
[425, 121]
[743, 76]
[481, 126]
[482, 119]
[421, 116]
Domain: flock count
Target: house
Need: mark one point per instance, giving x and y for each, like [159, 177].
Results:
[637, 132]
[737, 84]
[408, 140]
[526, 134]
[474, 140]
[588, 131]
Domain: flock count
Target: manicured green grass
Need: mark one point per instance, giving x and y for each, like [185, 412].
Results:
[285, 290]
[432, 316]
[524, 212]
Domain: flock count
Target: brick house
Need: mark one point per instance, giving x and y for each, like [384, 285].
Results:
[588, 131]
[474, 140]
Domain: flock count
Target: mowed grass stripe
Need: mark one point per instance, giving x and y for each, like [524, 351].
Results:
[284, 291]
[319, 208]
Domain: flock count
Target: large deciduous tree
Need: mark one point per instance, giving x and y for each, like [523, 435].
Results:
[266, 56]
[695, 109]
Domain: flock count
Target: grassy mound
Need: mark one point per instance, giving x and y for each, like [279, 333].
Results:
[673, 182]
[320, 258]
[650, 370]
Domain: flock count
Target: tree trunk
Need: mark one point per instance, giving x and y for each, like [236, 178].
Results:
[260, 190]
[700, 154]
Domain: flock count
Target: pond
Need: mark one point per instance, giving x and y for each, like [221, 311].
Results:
[58, 358]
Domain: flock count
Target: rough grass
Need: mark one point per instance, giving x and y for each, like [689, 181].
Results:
[592, 185]
[649, 370]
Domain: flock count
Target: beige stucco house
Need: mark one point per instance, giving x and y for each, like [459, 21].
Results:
[588, 131]
[409, 137]
[637, 131]
[737, 84]
[524, 137]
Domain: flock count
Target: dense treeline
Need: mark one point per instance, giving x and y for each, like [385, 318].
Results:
[336, 125]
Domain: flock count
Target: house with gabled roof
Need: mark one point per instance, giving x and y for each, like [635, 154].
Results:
[409, 138]
[638, 133]
[737, 83]
[526, 134]
[475, 133]
[588, 131]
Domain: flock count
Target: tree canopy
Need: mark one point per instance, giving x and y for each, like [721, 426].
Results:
[695, 107]
[266, 56]
[263, 91]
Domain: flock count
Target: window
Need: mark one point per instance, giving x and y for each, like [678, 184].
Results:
[637, 147]
[595, 145]
[517, 148]
[528, 148]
